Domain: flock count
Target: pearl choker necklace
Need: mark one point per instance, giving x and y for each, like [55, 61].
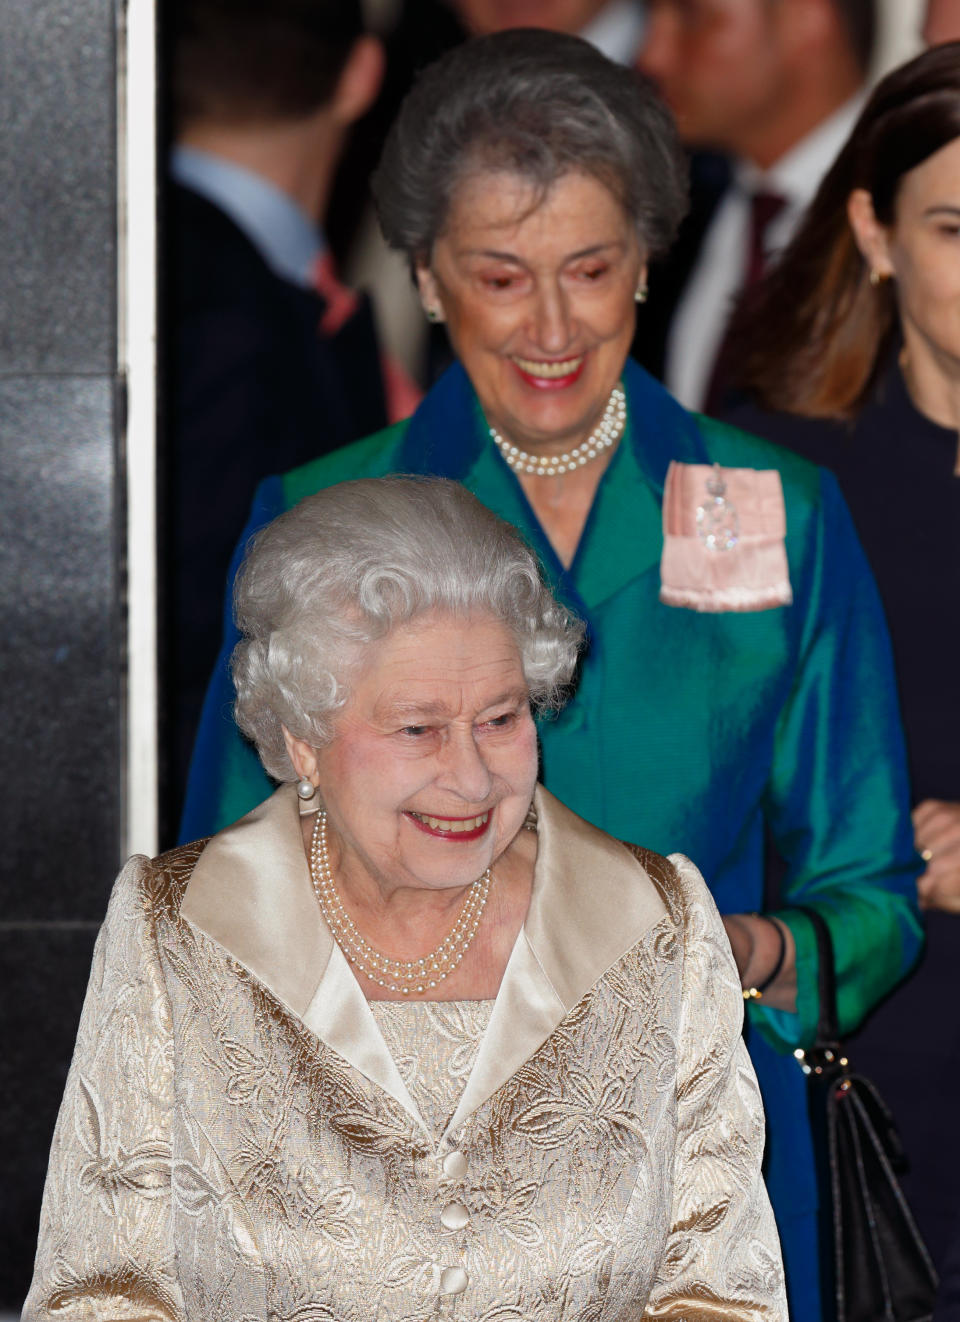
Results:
[402, 975]
[607, 434]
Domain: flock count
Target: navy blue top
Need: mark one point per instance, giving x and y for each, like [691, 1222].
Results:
[896, 469]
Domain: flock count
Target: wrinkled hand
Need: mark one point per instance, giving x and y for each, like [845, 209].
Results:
[741, 939]
[936, 828]
[756, 949]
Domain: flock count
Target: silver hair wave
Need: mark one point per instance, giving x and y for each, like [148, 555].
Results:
[345, 566]
[538, 104]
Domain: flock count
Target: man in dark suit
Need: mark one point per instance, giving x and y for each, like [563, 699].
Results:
[269, 360]
[775, 86]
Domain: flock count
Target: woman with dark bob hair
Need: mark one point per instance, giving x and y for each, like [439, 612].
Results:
[529, 180]
[411, 1040]
[852, 355]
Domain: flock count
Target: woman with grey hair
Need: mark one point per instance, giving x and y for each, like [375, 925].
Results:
[733, 626]
[411, 1040]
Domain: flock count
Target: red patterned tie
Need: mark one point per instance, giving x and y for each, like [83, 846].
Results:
[341, 301]
[764, 209]
[402, 394]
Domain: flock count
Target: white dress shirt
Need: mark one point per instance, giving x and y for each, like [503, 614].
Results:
[700, 320]
[617, 30]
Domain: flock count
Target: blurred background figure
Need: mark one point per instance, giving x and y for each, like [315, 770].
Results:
[270, 359]
[615, 27]
[414, 34]
[942, 21]
[851, 351]
[775, 85]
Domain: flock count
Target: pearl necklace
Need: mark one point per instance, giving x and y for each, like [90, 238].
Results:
[412, 975]
[607, 434]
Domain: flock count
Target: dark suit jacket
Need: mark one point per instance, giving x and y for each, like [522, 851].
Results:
[668, 275]
[252, 388]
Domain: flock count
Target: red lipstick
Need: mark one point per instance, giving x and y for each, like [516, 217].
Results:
[440, 833]
[550, 382]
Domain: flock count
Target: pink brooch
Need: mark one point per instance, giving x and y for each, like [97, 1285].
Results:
[723, 539]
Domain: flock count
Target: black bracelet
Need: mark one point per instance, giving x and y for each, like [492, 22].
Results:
[756, 993]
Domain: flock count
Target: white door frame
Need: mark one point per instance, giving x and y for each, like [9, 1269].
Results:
[137, 350]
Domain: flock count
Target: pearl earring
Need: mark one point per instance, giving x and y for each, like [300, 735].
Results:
[306, 788]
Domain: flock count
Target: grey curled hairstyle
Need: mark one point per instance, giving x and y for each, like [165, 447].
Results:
[345, 566]
[538, 104]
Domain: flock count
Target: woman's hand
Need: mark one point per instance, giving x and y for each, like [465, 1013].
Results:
[936, 829]
[755, 941]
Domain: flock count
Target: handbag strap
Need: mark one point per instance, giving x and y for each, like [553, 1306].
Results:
[828, 1033]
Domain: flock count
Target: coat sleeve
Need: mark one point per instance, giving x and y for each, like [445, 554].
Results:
[226, 777]
[105, 1250]
[722, 1255]
[838, 799]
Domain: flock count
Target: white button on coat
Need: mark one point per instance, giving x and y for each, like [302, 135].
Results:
[455, 1165]
[454, 1216]
[453, 1280]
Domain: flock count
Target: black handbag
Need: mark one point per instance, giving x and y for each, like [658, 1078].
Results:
[875, 1265]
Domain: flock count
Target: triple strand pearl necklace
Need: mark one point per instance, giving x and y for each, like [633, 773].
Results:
[607, 434]
[400, 975]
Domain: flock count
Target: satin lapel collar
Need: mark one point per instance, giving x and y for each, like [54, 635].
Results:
[591, 903]
[595, 903]
[526, 1012]
[341, 1018]
[251, 893]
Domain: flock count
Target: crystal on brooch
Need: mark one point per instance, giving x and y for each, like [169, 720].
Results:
[718, 525]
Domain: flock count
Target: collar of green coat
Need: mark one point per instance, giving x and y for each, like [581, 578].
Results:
[447, 437]
[446, 434]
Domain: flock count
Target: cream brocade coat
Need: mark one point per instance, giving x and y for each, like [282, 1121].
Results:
[235, 1141]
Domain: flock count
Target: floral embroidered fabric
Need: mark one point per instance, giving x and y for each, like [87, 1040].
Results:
[434, 1044]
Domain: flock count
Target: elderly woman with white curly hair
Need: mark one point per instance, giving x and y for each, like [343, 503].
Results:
[410, 1040]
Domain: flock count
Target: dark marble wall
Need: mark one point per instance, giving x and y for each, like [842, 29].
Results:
[61, 526]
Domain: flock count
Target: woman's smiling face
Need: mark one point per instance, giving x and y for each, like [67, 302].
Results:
[924, 254]
[433, 763]
[538, 301]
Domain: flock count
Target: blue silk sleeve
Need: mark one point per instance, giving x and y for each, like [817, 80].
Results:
[838, 796]
[226, 778]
